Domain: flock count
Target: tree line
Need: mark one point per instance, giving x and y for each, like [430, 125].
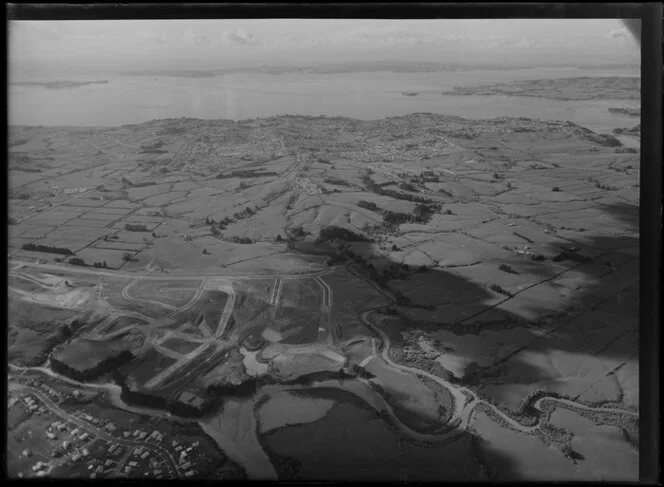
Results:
[104, 367]
[46, 248]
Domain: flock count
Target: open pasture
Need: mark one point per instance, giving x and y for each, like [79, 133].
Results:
[347, 289]
[55, 216]
[285, 409]
[72, 238]
[88, 223]
[149, 226]
[547, 364]
[32, 231]
[115, 245]
[85, 202]
[458, 351]
[123, 204]
[349, 443]
[406, 392]
[607, 456]
[113, 258]
[527, 456]
[450, 462]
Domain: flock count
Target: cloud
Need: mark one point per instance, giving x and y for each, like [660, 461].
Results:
[239, 37]
[619, 33]
[622, 36]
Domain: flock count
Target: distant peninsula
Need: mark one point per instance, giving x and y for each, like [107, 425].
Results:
[630, 112]
[60, 85]
[174, 73]
[581, 88]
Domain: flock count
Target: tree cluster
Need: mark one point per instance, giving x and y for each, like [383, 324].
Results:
[136, 227]
[175, 407]
[376, 188]
[247, 173]
[333, 232]
[46, 249]
[104, 367]
[336, 182]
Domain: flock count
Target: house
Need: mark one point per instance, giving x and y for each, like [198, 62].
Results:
[157, 472]
[145, 455]
[112, 448]
[27, 453]
[76, 431]
[178, 449]
[50, 435]
[189, 473]
[133, 464]
[126, 434]
[84, 436]
[186, 465]
[108, 463]
[142, 435]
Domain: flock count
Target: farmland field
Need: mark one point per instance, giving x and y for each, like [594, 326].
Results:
[285, 409]
[349, 443]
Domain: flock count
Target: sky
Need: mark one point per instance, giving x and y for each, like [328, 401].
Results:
[110, 46]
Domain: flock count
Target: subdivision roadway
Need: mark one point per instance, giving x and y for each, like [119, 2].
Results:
[159, 450]
[164, 277]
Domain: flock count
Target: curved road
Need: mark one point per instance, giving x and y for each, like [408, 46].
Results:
[163, 453]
